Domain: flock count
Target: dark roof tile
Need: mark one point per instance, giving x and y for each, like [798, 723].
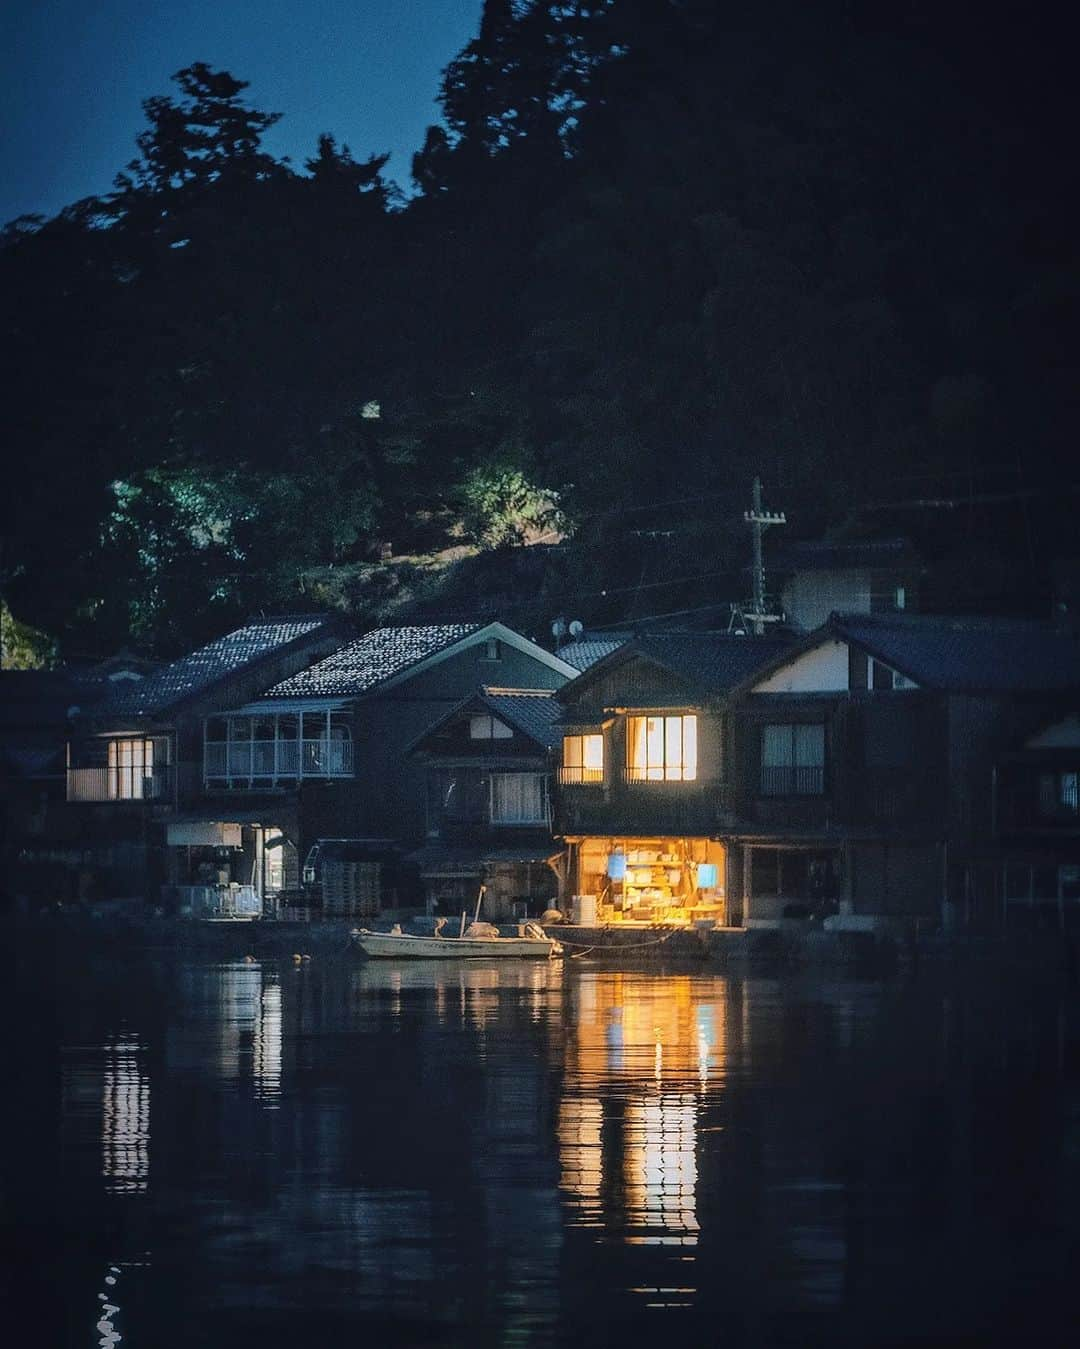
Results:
[199, 670]
[534, 711]
[961, 654]
[371, 660]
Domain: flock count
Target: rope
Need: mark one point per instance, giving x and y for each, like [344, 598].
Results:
[616, 946]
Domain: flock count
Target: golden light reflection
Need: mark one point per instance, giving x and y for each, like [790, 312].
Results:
[660, 1171]
[580, 1124]
[125, 1123]
[644, 1055]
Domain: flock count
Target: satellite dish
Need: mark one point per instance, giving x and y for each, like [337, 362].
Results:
[577, 628]
[558, 628]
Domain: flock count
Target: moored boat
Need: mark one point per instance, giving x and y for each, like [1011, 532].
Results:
[479, 942]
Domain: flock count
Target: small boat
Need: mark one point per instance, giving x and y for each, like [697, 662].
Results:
[479, 942]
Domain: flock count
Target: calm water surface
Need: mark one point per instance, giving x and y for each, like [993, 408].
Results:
[221, 1154]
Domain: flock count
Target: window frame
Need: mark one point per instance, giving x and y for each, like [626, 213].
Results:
[664, 759]
[576, 770]
[786, 781]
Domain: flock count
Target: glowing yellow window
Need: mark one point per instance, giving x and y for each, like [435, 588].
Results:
[661, 749]
[583, 758]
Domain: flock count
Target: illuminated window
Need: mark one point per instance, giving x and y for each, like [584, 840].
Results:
[131, 769]
[793, 760]
[661, 749]
[583, 758]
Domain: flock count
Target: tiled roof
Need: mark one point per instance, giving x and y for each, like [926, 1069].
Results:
[713, 662]
[197, 671]
[991, 655]
[586, 650]
[534, 711]
[370, 660]
[820, 555]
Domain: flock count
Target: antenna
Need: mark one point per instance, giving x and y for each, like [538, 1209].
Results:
[759, 521]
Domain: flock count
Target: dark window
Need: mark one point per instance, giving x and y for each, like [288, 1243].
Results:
[793, 760]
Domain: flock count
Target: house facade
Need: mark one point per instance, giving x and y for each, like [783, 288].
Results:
[488, 767]
[135, 795]
[850, 774]
[329, 751]
[643, 777]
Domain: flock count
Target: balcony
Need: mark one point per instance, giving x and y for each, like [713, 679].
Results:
[252, 765]
[581, 777]
[120, 784]
[636, 774]
[792, 780]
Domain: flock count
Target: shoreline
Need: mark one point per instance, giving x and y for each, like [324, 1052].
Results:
[738, 950]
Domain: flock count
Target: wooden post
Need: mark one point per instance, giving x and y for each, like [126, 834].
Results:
[747, 876]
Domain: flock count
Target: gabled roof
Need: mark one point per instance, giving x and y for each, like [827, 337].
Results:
[386, 655]
[534, 712]
[217, 660]
[709, 662]
[954, 654]
[371, 660]
[587, 649]
[960, 654]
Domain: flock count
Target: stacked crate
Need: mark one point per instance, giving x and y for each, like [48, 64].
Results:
[351, 889]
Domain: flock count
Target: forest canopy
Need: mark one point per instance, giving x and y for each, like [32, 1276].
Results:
[652, 249]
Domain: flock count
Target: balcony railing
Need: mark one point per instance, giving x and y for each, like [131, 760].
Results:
[791, 780]
[633, 774]
[124, 783]
[262, 763]
[581, 777]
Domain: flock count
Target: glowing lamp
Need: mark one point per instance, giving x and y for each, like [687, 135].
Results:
[616, 866]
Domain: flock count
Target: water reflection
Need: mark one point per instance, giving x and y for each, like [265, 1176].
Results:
[643, 1054]
[550, 1155]
[125, 1118]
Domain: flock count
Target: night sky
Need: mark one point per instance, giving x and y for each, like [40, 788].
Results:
[76, 71]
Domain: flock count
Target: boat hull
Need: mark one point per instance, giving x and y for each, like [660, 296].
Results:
[391, 945]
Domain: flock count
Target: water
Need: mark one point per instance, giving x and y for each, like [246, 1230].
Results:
[222, 1154]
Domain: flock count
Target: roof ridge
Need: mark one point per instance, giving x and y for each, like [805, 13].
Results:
[497, 690]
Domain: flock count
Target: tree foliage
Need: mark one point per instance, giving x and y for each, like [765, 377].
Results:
[656, 247]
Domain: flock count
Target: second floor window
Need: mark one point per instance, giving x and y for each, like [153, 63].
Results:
[518, 798]
[131, 770]
[244, 750]
[661, 749]
[1058, 795]
[793, 760]
[583, 758]
[469, 796]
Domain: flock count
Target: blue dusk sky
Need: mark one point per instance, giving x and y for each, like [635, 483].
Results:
[75, 73]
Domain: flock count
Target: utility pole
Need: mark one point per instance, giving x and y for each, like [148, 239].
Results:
[759, 521]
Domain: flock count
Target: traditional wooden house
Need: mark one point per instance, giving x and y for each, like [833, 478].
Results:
[849, 772]
[643, 776]
[334, 740]
[488, 764]
[44, 861]
[863, 764]
[134, 775]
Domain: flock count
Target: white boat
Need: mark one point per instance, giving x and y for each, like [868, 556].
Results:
[479, 942]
